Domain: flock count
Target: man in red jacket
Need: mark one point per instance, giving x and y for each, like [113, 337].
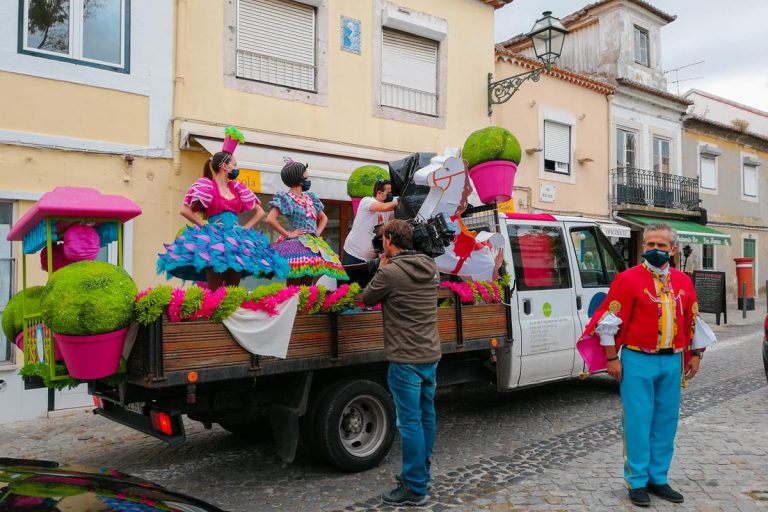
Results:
[649, 314]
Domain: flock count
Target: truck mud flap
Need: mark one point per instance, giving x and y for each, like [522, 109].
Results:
[143, 423]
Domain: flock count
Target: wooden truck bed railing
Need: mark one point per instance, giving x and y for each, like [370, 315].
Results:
[165, 352]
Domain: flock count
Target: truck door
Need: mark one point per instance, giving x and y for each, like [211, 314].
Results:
[595, 263]
[545, 300]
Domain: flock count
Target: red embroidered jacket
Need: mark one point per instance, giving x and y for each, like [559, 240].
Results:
[631, 298]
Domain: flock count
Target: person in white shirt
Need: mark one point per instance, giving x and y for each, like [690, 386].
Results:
[358, 248]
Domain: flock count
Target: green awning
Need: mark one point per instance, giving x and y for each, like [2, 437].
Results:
[687, 232]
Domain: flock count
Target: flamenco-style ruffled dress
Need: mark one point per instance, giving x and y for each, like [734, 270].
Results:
[307, 255]
[221, 244]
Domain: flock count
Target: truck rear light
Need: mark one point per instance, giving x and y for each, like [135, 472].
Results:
[161, 421]
[98, 402]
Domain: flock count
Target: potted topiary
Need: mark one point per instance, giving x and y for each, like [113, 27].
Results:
[26, 302]
[361, 182]
[88, 305]
[492, 156]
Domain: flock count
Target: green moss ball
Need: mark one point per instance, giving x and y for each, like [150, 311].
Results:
[13, 315]
[88, 297]
[491, 143]
[362, 180]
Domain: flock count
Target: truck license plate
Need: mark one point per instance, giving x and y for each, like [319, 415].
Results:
[137, 407]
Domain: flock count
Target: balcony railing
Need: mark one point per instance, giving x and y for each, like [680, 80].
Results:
[630, 186]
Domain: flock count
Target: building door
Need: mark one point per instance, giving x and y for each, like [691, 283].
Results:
[749, 251]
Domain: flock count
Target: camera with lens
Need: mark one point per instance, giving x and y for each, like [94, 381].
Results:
[430, 237]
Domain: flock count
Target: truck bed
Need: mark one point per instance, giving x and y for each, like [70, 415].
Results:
[165, 352]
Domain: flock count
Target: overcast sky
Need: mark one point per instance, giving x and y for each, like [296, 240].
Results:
[731, 37]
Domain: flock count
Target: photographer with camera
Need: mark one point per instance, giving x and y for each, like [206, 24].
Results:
[357, 247]
[406, 285]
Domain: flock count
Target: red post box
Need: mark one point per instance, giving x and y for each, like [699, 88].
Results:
[744, 276]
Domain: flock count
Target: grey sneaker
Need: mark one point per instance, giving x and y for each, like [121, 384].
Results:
[401, 495]
[400, 481]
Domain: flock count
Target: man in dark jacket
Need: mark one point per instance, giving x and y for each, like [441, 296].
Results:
[406, 285]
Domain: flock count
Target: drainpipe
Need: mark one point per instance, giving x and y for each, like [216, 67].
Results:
[178, 83]
[610, 145]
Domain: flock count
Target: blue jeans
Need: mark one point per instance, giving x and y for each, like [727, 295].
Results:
[413, 390]
[650, 393]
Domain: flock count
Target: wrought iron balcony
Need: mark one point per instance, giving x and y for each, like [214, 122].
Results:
[638, 187]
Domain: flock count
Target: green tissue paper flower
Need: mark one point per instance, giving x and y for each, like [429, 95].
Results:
[362, 180]
[87, 298]
[13, 316]
[234, 133]
[193, 299]
[235, 296]
[491, 143]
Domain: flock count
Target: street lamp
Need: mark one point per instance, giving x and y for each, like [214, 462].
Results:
[547, 36]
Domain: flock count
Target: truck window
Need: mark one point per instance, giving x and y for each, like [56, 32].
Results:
[540, 257]
[597, 259]
[588, 257]
[614, 263]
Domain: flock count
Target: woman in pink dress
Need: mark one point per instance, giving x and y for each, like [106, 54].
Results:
[222, 251]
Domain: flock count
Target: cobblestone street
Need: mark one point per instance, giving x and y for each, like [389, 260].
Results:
[556, 447]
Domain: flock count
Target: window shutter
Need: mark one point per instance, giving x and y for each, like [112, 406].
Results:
[557, 145]
[750, 180]
[276, 42]
[707, 173]
[409, 72]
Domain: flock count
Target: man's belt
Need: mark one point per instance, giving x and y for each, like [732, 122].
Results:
[660, 352]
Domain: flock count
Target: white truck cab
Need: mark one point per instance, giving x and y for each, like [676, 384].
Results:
[560, 269]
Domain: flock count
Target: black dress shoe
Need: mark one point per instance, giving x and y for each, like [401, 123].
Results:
[664, 491]
[639, 497]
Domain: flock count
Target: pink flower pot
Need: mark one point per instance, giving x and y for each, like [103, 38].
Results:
[56, 350]
[356, 204]
[494, 180]
[229, 145]
[92, 357]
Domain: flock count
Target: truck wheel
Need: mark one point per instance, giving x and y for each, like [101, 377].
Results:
[355, 425]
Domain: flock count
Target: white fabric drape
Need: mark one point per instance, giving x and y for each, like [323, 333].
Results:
[261, 334]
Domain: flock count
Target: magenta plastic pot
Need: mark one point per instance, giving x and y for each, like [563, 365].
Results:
[92, 357]
[494, 180]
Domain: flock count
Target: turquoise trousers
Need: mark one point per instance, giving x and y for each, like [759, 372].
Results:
[650, 394]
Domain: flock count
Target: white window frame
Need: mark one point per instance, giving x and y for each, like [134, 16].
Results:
[560, 117]
[636, 134]
[569, 163]
[660, 139]
[10, 362]
[392, 16]
[714, 256]
[637, 35]
[76, 30]
[743, 164]
[314, 38]
[713, 152]
[322, 35]
[415, 96]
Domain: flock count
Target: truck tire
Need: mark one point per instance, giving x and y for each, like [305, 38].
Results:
[355, 425]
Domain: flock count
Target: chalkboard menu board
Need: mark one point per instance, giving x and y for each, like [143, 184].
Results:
[710, 292]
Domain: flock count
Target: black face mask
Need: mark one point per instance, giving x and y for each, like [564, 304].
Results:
[389, 197]
[305, 185]
[233, 174]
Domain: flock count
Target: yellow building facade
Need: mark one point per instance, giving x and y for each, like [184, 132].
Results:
[334, 83]
[563, 123]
